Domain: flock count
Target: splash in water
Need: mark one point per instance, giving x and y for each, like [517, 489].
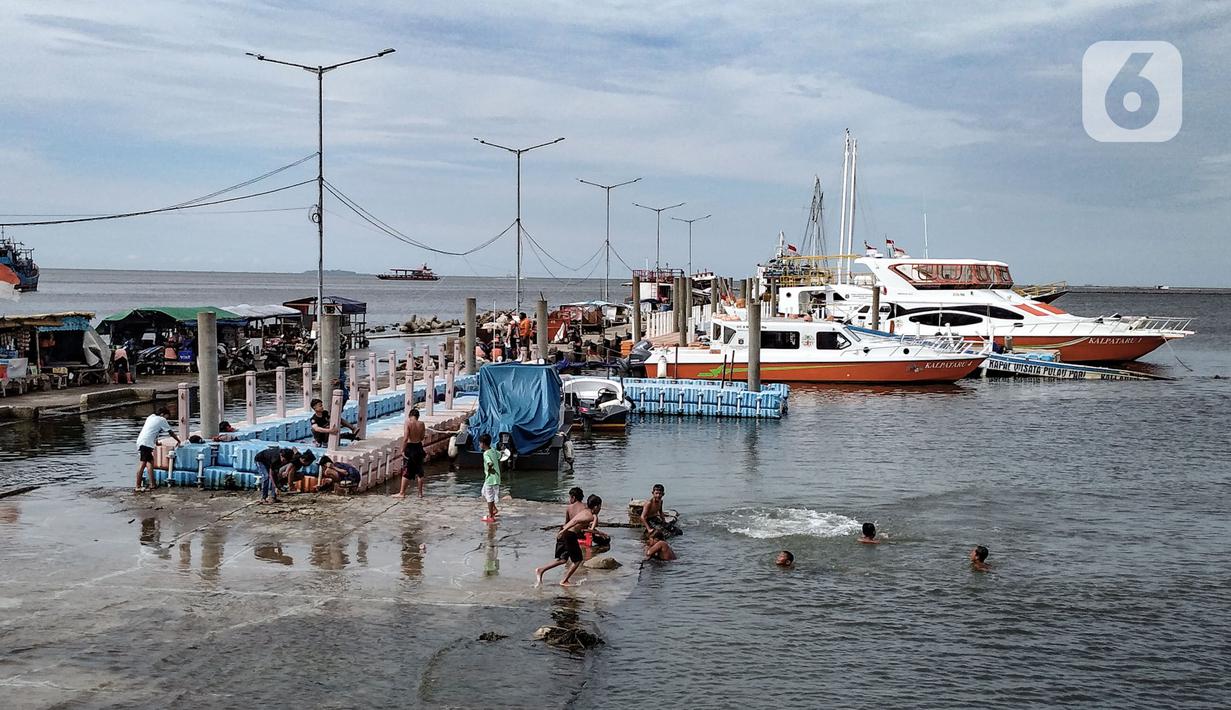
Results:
[765, 523]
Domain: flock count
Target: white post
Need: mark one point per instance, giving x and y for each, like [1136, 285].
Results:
[393, 370]
[429, 393]
[335, 417]
[183, 405]
[352, 371]
[449, 373]
[280, 391]
[372, 386]
[250, 396]
[222, 389]
[362, 406]
[307, 386]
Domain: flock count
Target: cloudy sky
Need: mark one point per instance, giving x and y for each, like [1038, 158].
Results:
[968, 111]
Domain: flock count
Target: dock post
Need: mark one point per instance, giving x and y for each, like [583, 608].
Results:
[449, 388]
[352, 371]
[457, 358]
[330, 346]
[636, 334]
[743, 290]
[183, 409]
[280, 391]
[207, 373]
[222, 393]
[442, 359]
[393, 367]
[250, 396]
[754, 340]
[306, 385]
[472, 335]
[429, 392]
[372, 386]
[335, 417]
[409, 400]
[686, 316]
[362, 406]
[540, 327]
[876, 307]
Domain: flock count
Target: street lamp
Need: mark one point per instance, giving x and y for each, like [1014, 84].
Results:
[607, 243]
[690, 221]
[319, 216]
[518, 152]
[659, 230]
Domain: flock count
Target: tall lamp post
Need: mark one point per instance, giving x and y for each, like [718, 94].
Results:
[517, 152]
[658, 232]
[607, 243]
[690, 221]
[319, 215]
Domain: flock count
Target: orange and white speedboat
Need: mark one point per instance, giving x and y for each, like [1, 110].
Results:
[975, 300]
[805, 350]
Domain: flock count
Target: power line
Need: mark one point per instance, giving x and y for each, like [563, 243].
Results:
[246, 183]
[142, 213]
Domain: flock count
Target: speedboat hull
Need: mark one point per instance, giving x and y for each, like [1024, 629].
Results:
[885, 372]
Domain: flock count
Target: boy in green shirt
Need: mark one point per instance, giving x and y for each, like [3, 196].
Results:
[491, 476]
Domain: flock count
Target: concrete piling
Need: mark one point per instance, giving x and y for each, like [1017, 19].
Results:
[207, 372]
[183, 409]
[362, 424]
[222, 393]
[876, 307]
[754, 339]
[352, 372]
[429, 393]
[636, 332]
[250, 397]
[372, 386]
[280, 390]
[306, 385]
[335, 417]
[409, 401]
[472, 335]
[331, 345]
[393, 367]
[540, 328]
[449, 388]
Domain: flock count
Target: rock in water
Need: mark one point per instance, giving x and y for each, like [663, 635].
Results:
[601, 562]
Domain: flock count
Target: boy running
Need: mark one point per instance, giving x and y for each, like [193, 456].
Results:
[568, 549]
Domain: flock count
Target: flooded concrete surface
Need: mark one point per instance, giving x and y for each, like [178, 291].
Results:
[113, 599]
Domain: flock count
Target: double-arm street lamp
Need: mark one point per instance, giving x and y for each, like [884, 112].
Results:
[690, 221]
[517, 152]
[658, 232]
[319, 216]
[607, 243]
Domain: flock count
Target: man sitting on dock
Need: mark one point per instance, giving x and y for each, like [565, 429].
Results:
[321, 428]
[155, 426]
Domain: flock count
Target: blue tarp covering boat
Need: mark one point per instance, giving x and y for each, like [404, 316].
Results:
[520, 400]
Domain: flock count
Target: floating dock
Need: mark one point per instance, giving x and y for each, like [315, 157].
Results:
[706, 398]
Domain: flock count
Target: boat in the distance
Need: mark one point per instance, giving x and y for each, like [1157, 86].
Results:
[18, 259]
[423, 273]
[806, 350]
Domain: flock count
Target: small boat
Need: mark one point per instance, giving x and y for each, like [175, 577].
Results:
[807, 350]
[599, 402]
[423, 273]
[522, 408]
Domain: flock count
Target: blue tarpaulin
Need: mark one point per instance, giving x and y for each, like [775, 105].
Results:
[521, 400]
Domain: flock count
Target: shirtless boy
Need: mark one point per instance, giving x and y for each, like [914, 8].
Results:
[568, 549]
[978, 559]
[652, 512]
[412, 453]
[656, 548]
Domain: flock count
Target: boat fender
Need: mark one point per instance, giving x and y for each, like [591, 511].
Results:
[453, 446]
[568, 451]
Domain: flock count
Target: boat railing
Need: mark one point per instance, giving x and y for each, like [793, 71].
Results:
[954, 344]
[1116, 325]
[1036, 290]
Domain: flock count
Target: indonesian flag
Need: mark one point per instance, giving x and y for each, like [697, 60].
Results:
[869, 250]
[9, 281]
[791, 249]
[894, 250]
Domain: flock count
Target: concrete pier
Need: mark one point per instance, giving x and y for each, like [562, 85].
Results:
[754, 339]
[637, 331]
[330, 345]
[207, 372]
[540, 328]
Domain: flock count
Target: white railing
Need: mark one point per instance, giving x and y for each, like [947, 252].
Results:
[659, 323]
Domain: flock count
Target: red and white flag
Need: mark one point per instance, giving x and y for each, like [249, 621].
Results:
[791, 249]
[894, 251]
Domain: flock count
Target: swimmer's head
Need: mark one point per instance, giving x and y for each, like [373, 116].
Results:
[869, 530]
[594, 503]
[785, 559]
[575, 495]
[979, 553]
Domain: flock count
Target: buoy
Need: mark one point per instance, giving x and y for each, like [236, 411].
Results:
[453, 446]
[568, 451]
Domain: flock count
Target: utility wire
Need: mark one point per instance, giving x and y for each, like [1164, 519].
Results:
[142, 213]
[246, 183]
[392, 232]
[549, 256]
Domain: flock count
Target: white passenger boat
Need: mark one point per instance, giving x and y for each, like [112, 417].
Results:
[806, 350]
[975, 299]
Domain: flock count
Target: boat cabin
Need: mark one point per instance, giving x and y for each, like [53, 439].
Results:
[782, 334]
[939, 274]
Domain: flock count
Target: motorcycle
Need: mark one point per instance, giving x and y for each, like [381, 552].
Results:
[276, 355]
[241, 361]
[149, 361]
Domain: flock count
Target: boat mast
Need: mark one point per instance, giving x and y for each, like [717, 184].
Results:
[846, 156]
[850, 225]
[925, 235]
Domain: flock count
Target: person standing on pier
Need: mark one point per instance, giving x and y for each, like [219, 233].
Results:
[491, 476]
[413, 454]
[155, 426]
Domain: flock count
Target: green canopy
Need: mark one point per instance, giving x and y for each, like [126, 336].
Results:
[181, 314]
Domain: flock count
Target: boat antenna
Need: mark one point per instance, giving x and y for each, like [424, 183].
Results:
[925, 235]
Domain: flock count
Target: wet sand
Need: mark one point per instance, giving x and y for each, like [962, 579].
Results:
[180, 596]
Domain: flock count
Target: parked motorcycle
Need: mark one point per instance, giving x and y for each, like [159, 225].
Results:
[276, 355]
[241, 360]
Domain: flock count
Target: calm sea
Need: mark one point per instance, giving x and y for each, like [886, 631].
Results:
[1105, 505]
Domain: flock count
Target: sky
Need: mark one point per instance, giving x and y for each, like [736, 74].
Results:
[968, 111]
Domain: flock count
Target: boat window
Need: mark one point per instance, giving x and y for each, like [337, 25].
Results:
[831, 341]
[727, 334]
[991, 312]
[780, 339]
[944, 318]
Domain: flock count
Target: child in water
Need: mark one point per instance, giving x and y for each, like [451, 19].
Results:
[785, 559]
[656, 548]
[869, 534]
[978, 559]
